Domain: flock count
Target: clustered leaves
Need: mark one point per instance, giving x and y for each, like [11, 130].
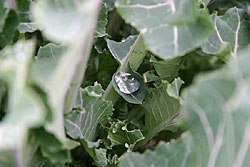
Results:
[124, 83]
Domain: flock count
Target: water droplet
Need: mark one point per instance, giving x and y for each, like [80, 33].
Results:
[126, 82]
[126, 145]
[144, 30]
[124, 128]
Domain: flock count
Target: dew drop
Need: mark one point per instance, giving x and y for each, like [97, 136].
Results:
[126, 82]
[144, 30]
[124, 128]
[126, 145]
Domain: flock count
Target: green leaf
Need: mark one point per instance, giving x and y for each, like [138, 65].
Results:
[62, 21]
[51, 147]
[23, 10]
[43, 73]
[230, 34]
[118, 134]
[162, 105]
[130, 86]
[223, 5]
[94, 110]
[3, 12]
[28, 156]
[121, 49]
[101, 68]
[47, 61]
[8, 26]
[110, 4]
[129, 53]
[173, 154]
[25, 107]
[167, 69]
[98, 154]
[216, 109]
[204, 2]
[182, 29]
[102, 21]
[150, 76]
[82, 124]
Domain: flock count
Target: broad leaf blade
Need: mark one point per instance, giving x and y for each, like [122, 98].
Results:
[82, 124]
[25, 107]
[61, 21]
[130, 53]
[230, 34]
[121, 49]
[162, 106]
[95, 110]
[167, 69]
[183, 27]
[8, 26]
[171, 155]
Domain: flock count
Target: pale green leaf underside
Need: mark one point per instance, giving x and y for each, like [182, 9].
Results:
[231, 33]
[46, 62]
[63, 20]
[217, 111]
[170, 28]
[71, 22]
[25, 107]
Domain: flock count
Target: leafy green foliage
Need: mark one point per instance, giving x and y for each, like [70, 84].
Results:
[217, 115]
[230, 33]
[162, 106]
[90, 83]
[93, 110]
[184, 28]
[82, 124]
[102, 21]
[8, 27]
[120, 135]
